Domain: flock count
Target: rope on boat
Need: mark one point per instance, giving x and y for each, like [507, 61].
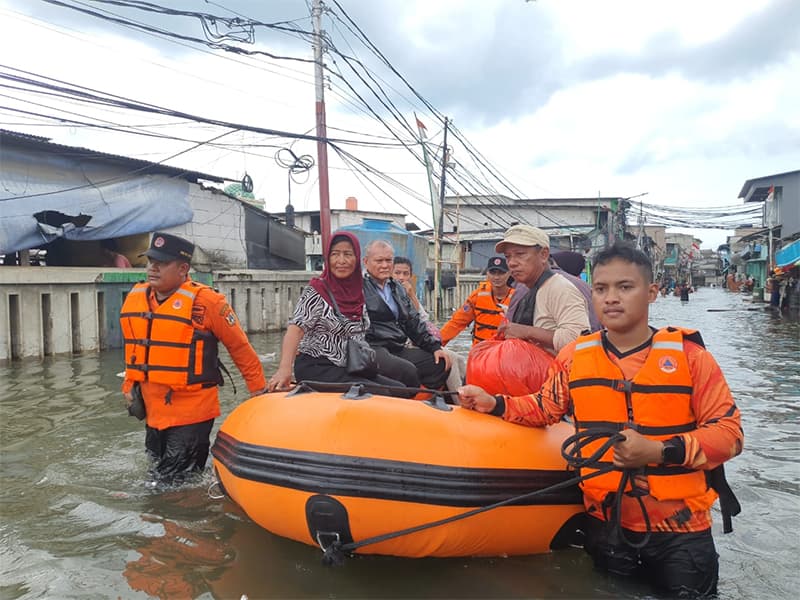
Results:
[216, 495]
[334, 553]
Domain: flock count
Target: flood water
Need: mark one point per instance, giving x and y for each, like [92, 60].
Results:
[78, 522]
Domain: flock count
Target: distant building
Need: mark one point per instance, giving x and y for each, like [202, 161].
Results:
[706, 268]
[308, 221]
[477, 223]
[682, 255]
[777, 242]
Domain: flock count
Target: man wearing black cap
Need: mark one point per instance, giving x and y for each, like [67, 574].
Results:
[171, 327]
[486, 306]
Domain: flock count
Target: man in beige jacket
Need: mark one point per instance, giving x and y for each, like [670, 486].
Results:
[552, 312]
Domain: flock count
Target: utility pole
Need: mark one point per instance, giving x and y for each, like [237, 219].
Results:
[322, 131]
[439, 232]
[769, 208]
[640, 236]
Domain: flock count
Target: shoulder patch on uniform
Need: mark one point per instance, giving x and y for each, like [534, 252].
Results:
[225, 308]
[466, 307]
[198, 313]
[230, 319]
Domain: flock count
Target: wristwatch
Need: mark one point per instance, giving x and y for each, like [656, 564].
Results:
[672, 452]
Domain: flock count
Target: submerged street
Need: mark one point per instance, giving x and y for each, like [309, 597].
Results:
[77, 520]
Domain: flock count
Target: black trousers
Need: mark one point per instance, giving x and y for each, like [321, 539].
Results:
[412, 366]
[684, 565]
[313, 368]
[178, 451]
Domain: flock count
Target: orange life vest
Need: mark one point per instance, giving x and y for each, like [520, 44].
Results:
[656, 402]
[488, 313]
[164, 346]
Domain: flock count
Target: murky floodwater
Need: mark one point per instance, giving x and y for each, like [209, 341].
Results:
[77, 521]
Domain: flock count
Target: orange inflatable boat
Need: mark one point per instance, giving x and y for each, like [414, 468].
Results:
[317, 467]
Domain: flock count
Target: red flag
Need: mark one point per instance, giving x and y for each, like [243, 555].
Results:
[423, 131]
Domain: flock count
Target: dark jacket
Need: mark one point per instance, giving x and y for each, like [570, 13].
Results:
[384, 330]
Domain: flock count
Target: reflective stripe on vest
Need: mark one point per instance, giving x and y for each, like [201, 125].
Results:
[164, 346]
[656, 402]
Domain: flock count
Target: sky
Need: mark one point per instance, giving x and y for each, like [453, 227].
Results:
[682, 101]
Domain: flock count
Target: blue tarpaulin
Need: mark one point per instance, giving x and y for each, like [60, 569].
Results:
[38, 205]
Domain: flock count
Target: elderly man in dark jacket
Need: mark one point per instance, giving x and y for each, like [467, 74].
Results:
[394, 321]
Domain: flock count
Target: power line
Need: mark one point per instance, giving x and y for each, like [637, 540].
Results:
[211, 44]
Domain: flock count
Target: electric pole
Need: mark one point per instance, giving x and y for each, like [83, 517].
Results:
[439, 232]
[322, 132]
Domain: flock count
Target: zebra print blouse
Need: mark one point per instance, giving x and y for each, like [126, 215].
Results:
[326, 334]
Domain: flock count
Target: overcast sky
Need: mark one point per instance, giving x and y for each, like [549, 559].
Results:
[682, 100]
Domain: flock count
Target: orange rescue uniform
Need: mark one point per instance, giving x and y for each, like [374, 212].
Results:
[170, 349]
[482, 308]
[668, 386]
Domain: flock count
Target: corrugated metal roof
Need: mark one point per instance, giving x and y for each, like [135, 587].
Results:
[141, 166]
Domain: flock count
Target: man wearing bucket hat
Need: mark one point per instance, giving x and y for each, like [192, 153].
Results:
[552, 312]
[486, 307]
[171, 327]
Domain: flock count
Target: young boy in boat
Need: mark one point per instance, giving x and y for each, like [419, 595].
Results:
[668, 398]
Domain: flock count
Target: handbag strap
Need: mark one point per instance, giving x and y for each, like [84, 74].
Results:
[336, 306]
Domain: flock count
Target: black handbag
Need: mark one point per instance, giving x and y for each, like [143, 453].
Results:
[361, 358]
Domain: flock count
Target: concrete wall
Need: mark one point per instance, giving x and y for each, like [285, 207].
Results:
[46, 310]
[218, 224]
[42, 314]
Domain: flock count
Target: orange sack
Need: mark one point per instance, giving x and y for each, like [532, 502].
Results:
[512, 366]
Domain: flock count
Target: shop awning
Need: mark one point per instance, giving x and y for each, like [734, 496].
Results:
[788, 255]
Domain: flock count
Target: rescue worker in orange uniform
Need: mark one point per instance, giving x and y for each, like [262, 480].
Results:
[486, 306]
[666, 395]
[171, 327]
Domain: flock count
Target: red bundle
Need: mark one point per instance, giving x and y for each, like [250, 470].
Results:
[512, 366]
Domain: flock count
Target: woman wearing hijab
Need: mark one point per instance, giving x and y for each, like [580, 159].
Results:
[315, 344]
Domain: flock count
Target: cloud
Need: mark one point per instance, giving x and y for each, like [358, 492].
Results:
[487, 61]
[765, 38]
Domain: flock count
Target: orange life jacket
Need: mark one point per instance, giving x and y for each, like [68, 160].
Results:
[164, 346]
[656, 402]
[488, 313]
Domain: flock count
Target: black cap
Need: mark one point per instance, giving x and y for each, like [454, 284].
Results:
[497, 263]
[166, 248]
